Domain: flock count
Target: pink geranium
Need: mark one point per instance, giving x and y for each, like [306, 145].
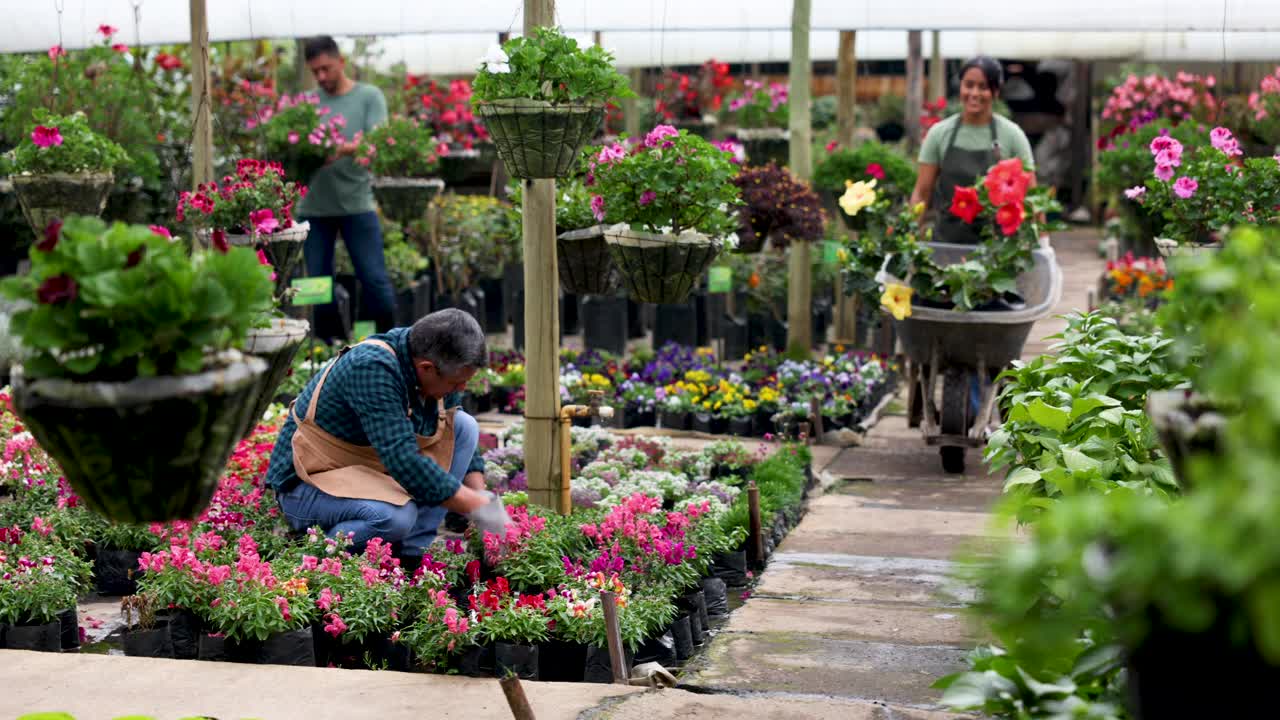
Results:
[647, 197]
[264, 221]
[597, 207]
[654, 137]
[46, 136]
[1164, 172]
[1185, 187]
[1135, 193]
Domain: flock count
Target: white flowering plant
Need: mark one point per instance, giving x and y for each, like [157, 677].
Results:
[548, 65]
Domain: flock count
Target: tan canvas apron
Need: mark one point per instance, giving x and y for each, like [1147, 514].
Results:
[342, 469]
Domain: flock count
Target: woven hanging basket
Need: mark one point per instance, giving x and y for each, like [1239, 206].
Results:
[144, 450]
[405, 199]
[282, 248]
[276, 345]
[586, 265]
[54, 196]
[660, 268]
[537, 139]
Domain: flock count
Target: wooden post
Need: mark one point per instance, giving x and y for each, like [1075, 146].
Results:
[201, 103]
[846, 320]
[800, 278]
[541, 318]
[1081, 145]
[937, 70]
[915, 88]
[516, 699]
[306, 81]
[755, 537]
[613, 634]
[631, 105]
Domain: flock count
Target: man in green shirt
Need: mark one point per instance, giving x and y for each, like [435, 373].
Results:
[339, 196]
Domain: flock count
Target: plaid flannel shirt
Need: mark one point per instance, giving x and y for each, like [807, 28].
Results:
[363, 403]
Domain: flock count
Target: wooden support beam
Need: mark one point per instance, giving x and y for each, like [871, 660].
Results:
[800, 270]
[846, 88]
[201, 102]
[631, 105]
[915, 88]
[937, 70]
[541, 318]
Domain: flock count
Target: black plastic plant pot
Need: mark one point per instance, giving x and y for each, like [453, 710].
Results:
[45, 637]
[156, 642]
[475, 661]
[216, 648]
[599, 666]
[632, 418]
[661, 268]
[682, 634]
[731, 567]
[277, 345]
[586, 265]
[405, 199]
[537, 139]
[45, 198]
[675, 420]
[716, 593]
[69, 624]
[190, 423]
[742, 426]
[660, 649]
[702, 422]
[560, 661]
[765, 145]
[295, 647]
[515, 658]
[184, 632]
[763, 423]
[462, 166]
[696, 601]
[114, 571]
[283, 249]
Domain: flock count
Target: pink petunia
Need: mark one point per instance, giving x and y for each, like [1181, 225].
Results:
[46, 136]
[160, 230]
[1185, 187]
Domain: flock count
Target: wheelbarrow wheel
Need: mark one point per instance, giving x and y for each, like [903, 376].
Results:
[955, 411]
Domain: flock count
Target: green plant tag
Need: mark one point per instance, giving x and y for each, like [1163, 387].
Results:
[720, 279]
[830, 252]
[363, 329]
[312, 290]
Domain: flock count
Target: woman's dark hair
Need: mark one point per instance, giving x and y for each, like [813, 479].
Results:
[317, 46]
[990, 69]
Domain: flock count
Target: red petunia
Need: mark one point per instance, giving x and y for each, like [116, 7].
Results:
[1007, 182]
[219, 241]
[52, 232]
[965, 204]
[1010, 217]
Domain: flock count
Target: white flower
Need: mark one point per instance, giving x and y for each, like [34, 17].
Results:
[495, 60]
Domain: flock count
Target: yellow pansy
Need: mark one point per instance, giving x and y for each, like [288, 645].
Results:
[897, 300]
[749, 404]
[857, 195]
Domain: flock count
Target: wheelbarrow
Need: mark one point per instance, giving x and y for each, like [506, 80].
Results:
[950, 348]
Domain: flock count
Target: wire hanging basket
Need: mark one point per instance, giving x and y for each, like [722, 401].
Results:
[661, 268]
[54, 196]
[537, 139]
[585, 262]
[405, 199]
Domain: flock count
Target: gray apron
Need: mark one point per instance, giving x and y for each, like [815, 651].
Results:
[959, 168]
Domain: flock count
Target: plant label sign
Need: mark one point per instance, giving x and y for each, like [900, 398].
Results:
[830, 253]
[720, 279]
[363, 329]
[312, 290]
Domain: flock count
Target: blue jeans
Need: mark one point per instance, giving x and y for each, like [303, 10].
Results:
[412, 525]
[363, 235]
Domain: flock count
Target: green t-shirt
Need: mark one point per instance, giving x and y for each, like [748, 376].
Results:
[1013, 142]
[342, 187]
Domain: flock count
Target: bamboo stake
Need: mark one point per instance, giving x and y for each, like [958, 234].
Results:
[516, 699]
[613, 633]
[800, 270]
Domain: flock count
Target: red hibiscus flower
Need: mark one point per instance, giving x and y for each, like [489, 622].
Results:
[1010, 217]
[965, 204]
[56, 290]
[1007, 182]
[52, 232]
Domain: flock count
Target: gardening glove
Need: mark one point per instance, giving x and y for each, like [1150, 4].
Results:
[490, 517]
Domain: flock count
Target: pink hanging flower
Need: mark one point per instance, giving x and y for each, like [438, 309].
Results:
[1185, 187]
[1135, 193]
[293, 138]
[1164, 172]
[264, 221]
[647, 197]
[56, 52]
[107, 31]
[597, 207]
[46, 136]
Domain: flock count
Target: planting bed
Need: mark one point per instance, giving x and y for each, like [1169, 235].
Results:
[663, 528]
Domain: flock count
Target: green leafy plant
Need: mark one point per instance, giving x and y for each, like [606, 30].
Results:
[65, 144]
[760, 106]
[401, 147]
[548, 65]
[779, 206]
[471, 237]
[111, 303]
[1090, 686]
[894, 174]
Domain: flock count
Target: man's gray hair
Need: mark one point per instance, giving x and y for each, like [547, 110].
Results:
[451, 339]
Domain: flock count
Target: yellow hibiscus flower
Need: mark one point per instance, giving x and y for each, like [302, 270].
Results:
[897, 300]
[857, 195]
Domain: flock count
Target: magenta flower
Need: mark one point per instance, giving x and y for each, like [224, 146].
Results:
[107, 31]
[611, 153]
[655, 135]
[1164, 172]
[46, 136]
[1220, 137]
[120, 48]
[597, 207]
[52, 232]
[293, 138]
[1169, 157]
[160, 230]
[1135, 193]
[335, 626]
[1185, 187]
[647, 197]
[56, 52]
[1164, 142]
[264, 221]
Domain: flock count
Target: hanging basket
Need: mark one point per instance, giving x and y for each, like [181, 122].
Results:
[537, 139]
[586, 265]
[283, 249]
[276, 345]
[660, 268]
[1172, 248]
[45, 198]
[405, 199]
[145, 450]
[299, 167]
[462, 165]
[766, 144]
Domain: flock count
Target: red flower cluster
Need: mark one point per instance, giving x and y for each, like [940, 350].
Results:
[448, 110]
[681, 97]
[1006, 185]
[932, 114]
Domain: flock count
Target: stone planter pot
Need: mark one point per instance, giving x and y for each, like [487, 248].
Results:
[190, 422]
[585, 264]
[405, 199]
[283, 249]
[45, 198]
[276, 345]
[661, 268]
[1186, 424]
[537, 139]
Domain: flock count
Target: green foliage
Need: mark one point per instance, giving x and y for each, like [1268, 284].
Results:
[760, 105]
[538, 564]
[120, 302]
[548, 65]
[34, 595]
[78, 150]
[1089, 688]
[400, 147]
[126, 536]
[514, 624]
[690, 180]
[850, 164]
[823, 111]
[471, 237]
[253, 611]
